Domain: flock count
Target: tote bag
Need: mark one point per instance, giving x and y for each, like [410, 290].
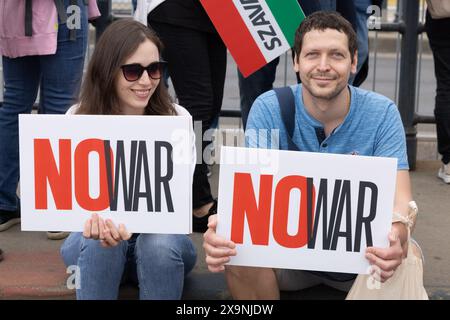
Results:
[407, 281]
[439, 9]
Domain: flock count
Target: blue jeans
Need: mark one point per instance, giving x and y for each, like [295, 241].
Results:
[157, 262]
[362, 31]
[254, 85]
[59, 77]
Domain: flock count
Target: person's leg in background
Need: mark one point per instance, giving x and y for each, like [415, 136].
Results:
[196, 83]
[254, 85]
[218, 63]
[21, 77]
[439, 38]
[162, 262]
[363, 37]
[328, 5]
[62, 74]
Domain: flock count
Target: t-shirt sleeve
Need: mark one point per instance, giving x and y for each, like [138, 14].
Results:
[391, 140]
[260, 131]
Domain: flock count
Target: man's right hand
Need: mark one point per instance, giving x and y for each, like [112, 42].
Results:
[218, 250]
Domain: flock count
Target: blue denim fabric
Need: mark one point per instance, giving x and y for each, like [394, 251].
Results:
[59, 77]
[328, 5]
[361, 17]
[362, 30]
[157, 262]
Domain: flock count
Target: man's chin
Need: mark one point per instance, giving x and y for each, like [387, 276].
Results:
[326, 94]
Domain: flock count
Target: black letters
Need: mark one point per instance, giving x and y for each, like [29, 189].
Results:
[120, 169]
[142, 163]
[265, 30]
[360, 220]
[344, 199]
[160, 179]
[274, 42]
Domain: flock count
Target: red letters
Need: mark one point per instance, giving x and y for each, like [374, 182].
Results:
[82, 175]
[258, 214]
[281, 211]
[60, 181]
[46, 170]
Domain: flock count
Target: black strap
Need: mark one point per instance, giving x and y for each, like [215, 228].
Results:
[286, 100]
[28, 18]
[62, 14]
[73, 32]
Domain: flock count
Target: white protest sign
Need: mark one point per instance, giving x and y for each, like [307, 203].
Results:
[304, 210]
[144, 183]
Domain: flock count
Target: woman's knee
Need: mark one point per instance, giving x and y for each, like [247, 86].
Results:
[164, 247]
[70, 249]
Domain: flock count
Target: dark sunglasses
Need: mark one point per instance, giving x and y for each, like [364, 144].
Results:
[134, 71]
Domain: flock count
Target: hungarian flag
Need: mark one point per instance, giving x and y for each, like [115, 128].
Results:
[255, 31]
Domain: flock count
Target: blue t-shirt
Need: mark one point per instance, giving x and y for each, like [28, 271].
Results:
[372, 127]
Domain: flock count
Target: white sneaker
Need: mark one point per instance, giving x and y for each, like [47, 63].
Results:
[444, 172]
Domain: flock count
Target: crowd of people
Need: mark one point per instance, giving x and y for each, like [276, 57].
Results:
[126, 76]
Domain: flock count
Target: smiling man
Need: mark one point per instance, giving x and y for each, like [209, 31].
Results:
[329, 117]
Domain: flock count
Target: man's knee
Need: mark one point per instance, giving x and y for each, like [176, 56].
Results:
[245, 273]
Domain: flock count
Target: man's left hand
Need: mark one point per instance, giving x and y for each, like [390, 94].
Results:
[385, 261]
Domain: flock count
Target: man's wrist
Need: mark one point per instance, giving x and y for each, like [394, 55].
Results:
[401, 230]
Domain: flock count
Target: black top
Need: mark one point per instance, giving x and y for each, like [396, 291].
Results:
[184, 13]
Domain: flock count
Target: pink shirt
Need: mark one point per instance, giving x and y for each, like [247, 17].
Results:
[14, 43]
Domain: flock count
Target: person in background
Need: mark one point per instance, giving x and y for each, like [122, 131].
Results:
[437, 29]
[197, 58]
[43, 48]
[123, 78]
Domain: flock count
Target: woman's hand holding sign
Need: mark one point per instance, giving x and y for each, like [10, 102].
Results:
[98, 229]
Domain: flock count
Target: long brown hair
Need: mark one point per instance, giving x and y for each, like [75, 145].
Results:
[119, 41]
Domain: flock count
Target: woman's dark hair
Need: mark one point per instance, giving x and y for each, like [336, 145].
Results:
[119, 41]
[322, 20]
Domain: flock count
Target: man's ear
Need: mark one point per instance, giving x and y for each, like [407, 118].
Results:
[355, 63]
[296, 66]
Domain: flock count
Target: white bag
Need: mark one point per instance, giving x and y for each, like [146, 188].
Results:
[439, 9]
[407, 281]
[143, 8]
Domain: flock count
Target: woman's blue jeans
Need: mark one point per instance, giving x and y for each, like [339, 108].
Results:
[157, 262]
[58, 76]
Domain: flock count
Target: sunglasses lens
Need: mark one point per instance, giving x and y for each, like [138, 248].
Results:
[154, 70]
[132, 72]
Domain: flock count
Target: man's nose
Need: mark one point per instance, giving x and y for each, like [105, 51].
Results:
[324, 63]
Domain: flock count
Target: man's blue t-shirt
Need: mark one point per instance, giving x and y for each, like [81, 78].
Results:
[372, 127]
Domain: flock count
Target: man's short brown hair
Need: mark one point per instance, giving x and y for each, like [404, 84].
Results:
[322, 20]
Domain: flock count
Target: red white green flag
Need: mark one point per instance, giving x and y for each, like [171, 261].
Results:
[255, 31]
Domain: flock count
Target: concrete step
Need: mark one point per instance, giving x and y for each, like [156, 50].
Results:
[33, 269]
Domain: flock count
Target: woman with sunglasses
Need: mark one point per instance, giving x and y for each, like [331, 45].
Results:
[123, 78]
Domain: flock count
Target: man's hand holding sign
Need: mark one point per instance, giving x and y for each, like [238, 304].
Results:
[309, 220]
